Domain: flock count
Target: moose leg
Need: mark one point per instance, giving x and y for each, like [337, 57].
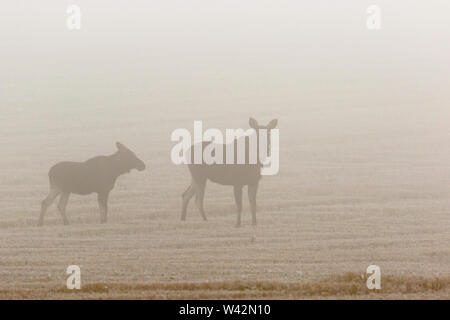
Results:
[187, 196]
[200, 195]
[62, 204]
[46, 203]
[102, 198]
[252, 190]
[238, 198]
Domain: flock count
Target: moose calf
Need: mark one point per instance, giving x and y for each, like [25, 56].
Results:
[96, 175]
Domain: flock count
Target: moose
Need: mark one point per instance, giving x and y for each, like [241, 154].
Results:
[96, 175]
[236, 175]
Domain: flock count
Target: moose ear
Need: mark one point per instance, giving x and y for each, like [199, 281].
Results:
[272, 124]
[253, 123]
[120, 146]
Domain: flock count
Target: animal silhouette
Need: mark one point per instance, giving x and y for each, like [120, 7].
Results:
[96, 175]
[236, 175]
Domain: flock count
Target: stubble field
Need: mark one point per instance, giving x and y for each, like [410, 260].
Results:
[349, 194]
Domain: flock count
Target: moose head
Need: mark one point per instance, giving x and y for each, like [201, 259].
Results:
[128, 159]
[271, 125]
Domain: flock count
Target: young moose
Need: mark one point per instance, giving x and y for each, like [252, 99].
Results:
[236, 175]
[96, 175]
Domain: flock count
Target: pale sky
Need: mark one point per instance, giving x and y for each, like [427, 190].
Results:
[132, 51]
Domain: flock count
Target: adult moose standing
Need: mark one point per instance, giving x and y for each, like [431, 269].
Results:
[96, 175]
[236, 175]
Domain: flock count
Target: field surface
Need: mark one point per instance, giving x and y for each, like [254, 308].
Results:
[338, 205]
[364, 118]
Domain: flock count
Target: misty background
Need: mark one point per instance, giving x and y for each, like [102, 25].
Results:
[364, 119]
[138, 70]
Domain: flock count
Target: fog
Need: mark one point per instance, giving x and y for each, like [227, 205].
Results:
[158, 60]
[280, 53]
[364, 118]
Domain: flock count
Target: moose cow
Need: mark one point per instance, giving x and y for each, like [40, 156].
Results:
[236, 175]
[96, 175]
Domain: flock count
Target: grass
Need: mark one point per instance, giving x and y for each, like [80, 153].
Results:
[347, 285]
